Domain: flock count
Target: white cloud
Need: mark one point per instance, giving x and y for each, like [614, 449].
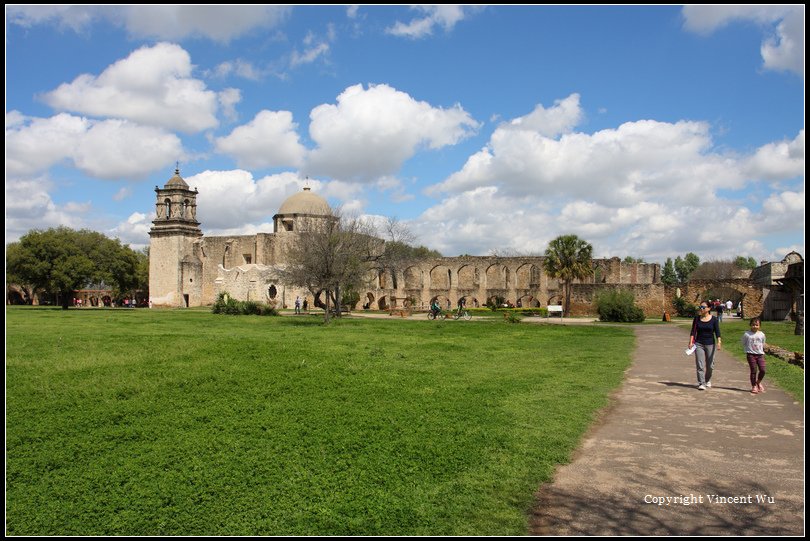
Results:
[233, 200]
[781, 50]
[228, 99]
[552, 122]
[152, 86]
[29, 206]
[371, 133]
[134, 230]
[218, 23]
[638, 161]
[778, 161]
[108, 149]
[269, 140]
[646, 188]
[445, 16]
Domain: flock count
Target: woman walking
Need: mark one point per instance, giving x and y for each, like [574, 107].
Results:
[705, 328]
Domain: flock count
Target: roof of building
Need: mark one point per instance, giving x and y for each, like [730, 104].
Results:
[305, 202]
[176, 181]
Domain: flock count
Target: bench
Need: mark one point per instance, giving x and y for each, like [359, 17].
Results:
[554, 309]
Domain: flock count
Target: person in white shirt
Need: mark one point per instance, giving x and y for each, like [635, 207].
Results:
[754, 344]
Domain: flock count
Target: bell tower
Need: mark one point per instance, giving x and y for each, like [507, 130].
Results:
[175, 269]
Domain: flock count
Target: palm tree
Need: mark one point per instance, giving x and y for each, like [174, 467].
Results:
[568, 257]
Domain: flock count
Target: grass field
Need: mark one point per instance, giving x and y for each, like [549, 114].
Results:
[147, 422]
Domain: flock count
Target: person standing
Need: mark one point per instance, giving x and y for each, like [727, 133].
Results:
[754, 344]
[705, 328]
[297, 304]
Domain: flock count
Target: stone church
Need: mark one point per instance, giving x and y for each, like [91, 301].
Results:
[187, 268]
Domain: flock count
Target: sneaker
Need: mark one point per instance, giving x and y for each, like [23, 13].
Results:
[701, 387]
[708, 384]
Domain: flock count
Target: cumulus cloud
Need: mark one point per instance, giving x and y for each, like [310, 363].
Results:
[638, 161]
[434, 16]
[783, 45]
[371, 133]
[152, 86]
[638, 189]
[778, 161]
[108, 149]
[235, 201]
[218, 23]
[134, 231]
[561, 118]
[269, 140]
[29, 206]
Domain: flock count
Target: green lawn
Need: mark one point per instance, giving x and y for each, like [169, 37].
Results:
[148, 422]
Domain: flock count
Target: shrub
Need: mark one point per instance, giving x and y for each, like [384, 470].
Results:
[618, 305]
[228, 305]
[512, 317]
[684, 308]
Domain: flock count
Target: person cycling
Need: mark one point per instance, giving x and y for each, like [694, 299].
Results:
[461, 304]
[435, 309]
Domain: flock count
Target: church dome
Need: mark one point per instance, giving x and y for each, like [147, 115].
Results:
[305, 202]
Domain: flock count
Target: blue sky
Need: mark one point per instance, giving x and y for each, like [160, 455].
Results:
[649, 131]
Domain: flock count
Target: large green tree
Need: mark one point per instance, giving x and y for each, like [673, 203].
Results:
[568, 258]
[686, 266]
[668, 274]
[62, 260]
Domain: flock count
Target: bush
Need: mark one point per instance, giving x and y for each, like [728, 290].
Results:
[618, 305]
[228, 305]
[512, 317]
[684, 308]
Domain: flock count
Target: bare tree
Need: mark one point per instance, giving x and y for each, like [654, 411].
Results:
[334, 253]
[399, 251]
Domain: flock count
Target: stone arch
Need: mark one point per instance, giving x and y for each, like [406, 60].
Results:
[528, 276]
[469, 277]
[497, 276]
[382, 304]
[443, 300]
[440, 277]
[528, 301]
[413, 278]
[369, 301]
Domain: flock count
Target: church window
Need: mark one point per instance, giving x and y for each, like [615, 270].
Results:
[168, 204]
[272, 292]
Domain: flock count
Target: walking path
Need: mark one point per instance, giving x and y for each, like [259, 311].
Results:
[668, 459]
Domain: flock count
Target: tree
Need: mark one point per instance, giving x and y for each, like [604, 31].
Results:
[399, 252]
[333, 254]
[686, 266]
[568, 258]
[746, 263]
[62, 260]
[668, 274]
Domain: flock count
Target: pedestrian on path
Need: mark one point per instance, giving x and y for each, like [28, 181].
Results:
[754, 344]
[705, 327]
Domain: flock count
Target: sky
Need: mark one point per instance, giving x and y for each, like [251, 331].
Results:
[648, 131]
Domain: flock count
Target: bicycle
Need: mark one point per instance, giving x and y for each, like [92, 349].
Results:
[435, 314]
[462, 314]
